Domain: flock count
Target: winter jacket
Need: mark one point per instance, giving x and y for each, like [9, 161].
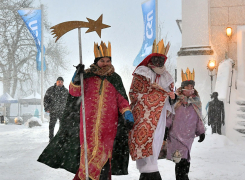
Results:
[55, 99]
[183, 128]
[216, 112]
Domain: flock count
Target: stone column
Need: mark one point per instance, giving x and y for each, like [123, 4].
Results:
[196, 50]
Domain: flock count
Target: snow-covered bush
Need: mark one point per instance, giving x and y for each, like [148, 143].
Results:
[26, 116]
[33, 121]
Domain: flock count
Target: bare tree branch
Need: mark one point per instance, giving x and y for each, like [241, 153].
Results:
[18, 52]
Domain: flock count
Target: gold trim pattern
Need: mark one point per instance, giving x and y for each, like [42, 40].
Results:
[76, 86]
[75, 90]
[98, 120]
[125, 109]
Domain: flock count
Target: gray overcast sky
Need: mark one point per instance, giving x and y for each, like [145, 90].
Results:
[126, 31]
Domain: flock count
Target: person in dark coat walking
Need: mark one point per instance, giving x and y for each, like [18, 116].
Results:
[54, 103]
[216, 114]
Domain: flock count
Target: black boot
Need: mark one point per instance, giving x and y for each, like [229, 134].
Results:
[187, 169]
[182, 170]
[150, 176]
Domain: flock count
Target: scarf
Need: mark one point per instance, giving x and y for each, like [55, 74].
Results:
[188, 92]
[104, 71]
[157, 70]
[193, 100]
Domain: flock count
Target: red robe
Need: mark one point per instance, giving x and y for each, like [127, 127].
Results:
[101, 114]
[146, 103]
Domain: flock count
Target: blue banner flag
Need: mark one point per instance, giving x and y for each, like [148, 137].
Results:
[32, 19]
[149, 17]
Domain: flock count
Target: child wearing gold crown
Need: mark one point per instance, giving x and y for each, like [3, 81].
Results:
[151, 95]
[106, 104]
[184, 125]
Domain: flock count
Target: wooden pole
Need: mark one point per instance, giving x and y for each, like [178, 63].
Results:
[83, 107]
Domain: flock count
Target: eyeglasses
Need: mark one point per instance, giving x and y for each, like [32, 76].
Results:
[158, 61]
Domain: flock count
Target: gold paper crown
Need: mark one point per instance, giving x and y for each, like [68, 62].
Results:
[102, 50]
[187, 75]
[160, 48]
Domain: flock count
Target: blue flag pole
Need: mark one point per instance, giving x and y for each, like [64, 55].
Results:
[33, 18]
[156, 20]
[42, 118]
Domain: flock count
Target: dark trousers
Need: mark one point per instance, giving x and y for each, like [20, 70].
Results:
[182, 169]
[52, 122]
[216, 127]
[150, 176]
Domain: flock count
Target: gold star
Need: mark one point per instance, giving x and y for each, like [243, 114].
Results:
[62, 28]
[96, 25]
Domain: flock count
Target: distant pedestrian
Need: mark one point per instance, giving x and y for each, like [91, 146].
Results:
[54, 103]
[216, 114]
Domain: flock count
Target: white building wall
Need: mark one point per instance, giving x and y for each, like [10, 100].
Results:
[241, 53]
[195, 30]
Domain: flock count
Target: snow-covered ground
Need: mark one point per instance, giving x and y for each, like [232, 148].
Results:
[217, 158]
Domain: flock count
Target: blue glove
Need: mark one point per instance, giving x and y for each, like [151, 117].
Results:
[76, 76]
[128, 116]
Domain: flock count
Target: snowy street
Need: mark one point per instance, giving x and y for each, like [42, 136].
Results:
[217, 158]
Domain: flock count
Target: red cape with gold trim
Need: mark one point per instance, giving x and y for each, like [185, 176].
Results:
[102, 113]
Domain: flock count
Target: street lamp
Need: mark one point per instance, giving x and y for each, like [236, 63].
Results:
[229, 31]
[211, 66]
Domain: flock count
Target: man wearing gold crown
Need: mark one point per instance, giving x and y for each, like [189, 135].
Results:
[151, 95]
[106, 104]
[182, 127]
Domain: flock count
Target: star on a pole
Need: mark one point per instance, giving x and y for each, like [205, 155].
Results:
[62, 28]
